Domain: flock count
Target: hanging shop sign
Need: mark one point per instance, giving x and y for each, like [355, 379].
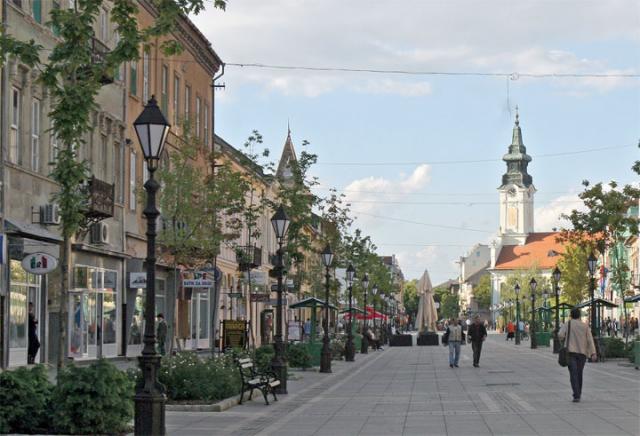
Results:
[260, 298]
[197, 283]
[234, 334]
[39, 263]
[138, 280]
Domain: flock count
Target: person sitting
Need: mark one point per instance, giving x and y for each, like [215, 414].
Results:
[373, 340]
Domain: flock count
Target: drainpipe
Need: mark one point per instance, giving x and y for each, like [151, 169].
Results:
[216, 284]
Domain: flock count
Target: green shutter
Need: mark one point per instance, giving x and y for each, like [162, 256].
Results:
[134, 79]
[36, 9]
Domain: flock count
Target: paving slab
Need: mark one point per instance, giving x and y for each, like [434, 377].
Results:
[412, 391]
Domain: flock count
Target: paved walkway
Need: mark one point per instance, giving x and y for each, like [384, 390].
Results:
[412, 391]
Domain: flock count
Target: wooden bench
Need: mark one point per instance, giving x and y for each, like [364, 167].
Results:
[265, 382]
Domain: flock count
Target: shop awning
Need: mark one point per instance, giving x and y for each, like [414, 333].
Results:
[598, 301]
[311, 302]
[31, 231]
[562, 306]
[632, 299]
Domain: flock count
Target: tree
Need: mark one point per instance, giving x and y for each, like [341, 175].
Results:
[410, 298]
[482, 292]
[73, 79]
[574, 281]
[449, 305]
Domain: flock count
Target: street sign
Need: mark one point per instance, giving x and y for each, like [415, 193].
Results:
[274, 302]
[138, 280]
[234, 294]
[39, 263]
[260, 298]
[197, 283]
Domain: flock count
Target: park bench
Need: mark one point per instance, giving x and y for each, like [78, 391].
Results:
[252, 379]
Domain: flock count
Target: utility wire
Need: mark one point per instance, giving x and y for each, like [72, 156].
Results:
[470, 161]
[512, 75]
[441, 226]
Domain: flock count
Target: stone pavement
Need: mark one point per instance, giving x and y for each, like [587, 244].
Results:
[412, 391]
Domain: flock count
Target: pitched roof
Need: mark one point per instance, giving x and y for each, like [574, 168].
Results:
[541, 250]
[288, 155]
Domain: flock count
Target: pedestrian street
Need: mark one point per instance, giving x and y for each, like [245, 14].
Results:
[412, 391]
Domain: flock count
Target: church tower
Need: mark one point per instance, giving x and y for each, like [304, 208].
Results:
[516, 193]
[284, 172]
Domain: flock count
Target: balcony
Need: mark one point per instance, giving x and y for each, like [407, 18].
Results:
[98, 53]
[101, 196]
[248, 257]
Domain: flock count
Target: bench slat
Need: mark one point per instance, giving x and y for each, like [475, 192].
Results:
[246, 365]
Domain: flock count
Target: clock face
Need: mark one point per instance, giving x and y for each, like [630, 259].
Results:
[512, 192]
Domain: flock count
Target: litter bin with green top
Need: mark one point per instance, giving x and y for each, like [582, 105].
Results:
[636, 354]
[543, 339]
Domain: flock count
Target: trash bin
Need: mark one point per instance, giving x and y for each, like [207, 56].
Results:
[636, 354]
[543, 339]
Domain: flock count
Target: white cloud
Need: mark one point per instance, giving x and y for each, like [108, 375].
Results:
[548, 217]
[363, 194]
[499, 35]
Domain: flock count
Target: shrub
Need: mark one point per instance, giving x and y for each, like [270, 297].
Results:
[614, 347]
[26, 398]
[337, 349]
[189, 378]
[298, 356]
[97, 399]
[263, 356]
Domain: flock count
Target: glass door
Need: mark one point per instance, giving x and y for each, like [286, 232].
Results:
[77, 326]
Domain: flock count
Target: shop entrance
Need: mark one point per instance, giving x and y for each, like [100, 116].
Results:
[25, 289]
[200, 319]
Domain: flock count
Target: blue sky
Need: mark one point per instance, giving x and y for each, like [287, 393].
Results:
[381, 118]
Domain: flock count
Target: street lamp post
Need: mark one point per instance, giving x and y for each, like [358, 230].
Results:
[532, 330]
[517, 291]
[556, 289]
[374, 293]
[545, 315]
[349, 348]
[592, 264]
[280, 223]
[364, 348]
[152, 129]
[325, 358]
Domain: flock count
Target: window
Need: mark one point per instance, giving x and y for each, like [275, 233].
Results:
[36, 10]
[104, 26]
[198, 104]
[18, 3]
[55, 145]
[133, 81]
[164, 98]
[35, 134]
[187, 102]
[132, 181]
[206, 124]
[119, 75]
[55, 5]
[145, 76]
[14, 133]
[118, 174]
[104, 157]
[176, 100]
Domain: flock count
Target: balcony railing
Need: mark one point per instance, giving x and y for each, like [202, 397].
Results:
[98, 53]
[248, 257]
[101, 196]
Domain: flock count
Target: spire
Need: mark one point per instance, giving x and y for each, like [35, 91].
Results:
[288, 155]
[517, 159]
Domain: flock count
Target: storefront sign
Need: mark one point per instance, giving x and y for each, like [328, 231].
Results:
[234, 294]
[39, 263]
[274, 302]
[138, 280]
[257, 277]
[234, 334]
[260, 298]
[197, 283]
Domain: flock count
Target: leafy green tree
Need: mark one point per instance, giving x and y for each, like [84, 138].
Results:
[411, 298]
[73, 79]
[449, 305]
[482, 292]
[574, 280]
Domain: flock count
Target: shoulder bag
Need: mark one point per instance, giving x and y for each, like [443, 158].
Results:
[563, 354]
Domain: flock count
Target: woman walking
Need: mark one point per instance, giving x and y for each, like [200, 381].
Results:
[579, 342]
[454, 337]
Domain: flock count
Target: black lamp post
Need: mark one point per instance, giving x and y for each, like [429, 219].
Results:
[532, 330]
[545, 314]
[152, 129]
[349, 348]
[280, 224]
[592, 263]
[374, 292]
[325, 358]
[556, 289]
[383, 320]
[517, 291]
[364, 348]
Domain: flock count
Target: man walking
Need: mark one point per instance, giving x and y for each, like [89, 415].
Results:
[161, 334]
[579, 343]
[477, 334]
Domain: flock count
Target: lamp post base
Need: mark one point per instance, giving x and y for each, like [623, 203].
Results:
[364, 348]
[556, 342]
[349, 351]
[150, 399]
[325, 356]
[280, 368]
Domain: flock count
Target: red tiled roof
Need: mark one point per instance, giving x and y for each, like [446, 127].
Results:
[541, 250]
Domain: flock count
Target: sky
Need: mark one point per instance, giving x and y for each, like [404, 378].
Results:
[419, 155]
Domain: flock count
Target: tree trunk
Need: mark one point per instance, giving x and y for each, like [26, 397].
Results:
[64, 295]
